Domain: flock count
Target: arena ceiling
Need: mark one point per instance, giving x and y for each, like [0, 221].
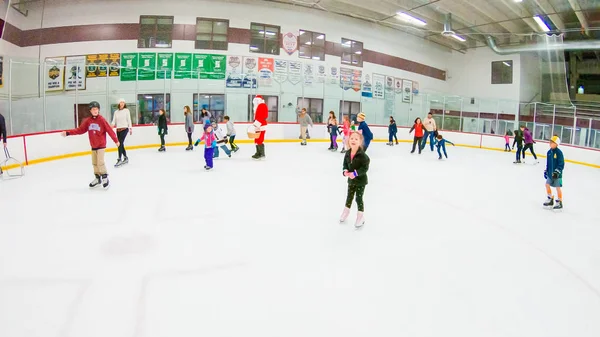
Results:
[510, 22]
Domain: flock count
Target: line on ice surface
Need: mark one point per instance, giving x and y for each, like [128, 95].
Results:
[521, 239]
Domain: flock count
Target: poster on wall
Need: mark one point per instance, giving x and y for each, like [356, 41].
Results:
[398, 85]
[234, 72]
[367, 87]
[183, 66]
[165, 66]
[333, 76]
[289, 43]
[350, 79]
[75, 73]
[114, 62]
[415, 88]
[390, 97]
[280, 72]
[295, 72]
[378, 86]
[146, 66]
[266, 68]
[321, 73]
[55, 67]
[1, 71]
[129, 64]
[406, 91]
[209, 66]
[96, 65]
[309, 73]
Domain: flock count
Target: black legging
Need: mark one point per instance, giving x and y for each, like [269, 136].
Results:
[121, 135]
[189, 139]
[359, 191]
[416, 140]
[530, 147]
[162, 140]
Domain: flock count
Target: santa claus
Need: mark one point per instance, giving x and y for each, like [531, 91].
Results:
[261, 113]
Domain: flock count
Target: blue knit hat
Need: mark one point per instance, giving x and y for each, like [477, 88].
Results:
[207, 124]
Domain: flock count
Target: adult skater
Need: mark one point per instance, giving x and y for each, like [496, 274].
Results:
[261, 113]
[122, 122]
[304, 120]
[97, 127]
[3, 134]
[528, 142]
[430, 128]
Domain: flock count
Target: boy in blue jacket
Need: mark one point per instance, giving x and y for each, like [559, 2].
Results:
[555, 163]
[363, 128]
[392, 131]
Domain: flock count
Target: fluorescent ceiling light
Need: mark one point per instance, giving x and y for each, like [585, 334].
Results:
[518, 0]
[253, 48]
[316, 58]
[541, 23]
[358, 52]
[506, 63]
[321, 37]
[459, 38]
[410, 19]
[308, 43]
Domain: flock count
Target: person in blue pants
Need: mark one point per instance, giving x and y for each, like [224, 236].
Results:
[392, 131]
[441, 145]
[363, 128]
[221, 141]
[430, 128]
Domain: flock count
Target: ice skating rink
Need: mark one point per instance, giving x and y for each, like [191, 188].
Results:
[459, 247]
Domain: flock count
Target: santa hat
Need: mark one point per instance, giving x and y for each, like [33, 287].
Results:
[258, 99]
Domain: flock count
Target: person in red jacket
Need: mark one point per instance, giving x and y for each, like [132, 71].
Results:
[97, 127]
[261, 113]
[419, 129]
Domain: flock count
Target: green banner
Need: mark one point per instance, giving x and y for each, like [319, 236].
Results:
[183, 66]
[211, 67]
[165, 66]
[129, 61]
[147, 67]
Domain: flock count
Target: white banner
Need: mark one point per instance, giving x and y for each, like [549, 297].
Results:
[333, 75]
[321, 73]
[398, 85]
[406, 91]
[75, 73]
[280, 74]
[309, 73]
[378, 86]
[295, 72]
[55, 76]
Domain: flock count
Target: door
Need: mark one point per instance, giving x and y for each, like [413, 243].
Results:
[80, 112]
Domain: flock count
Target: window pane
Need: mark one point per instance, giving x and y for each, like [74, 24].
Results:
[202, 44]
[346, 44]
[148, 21]
[220, 27]
[319, 40]
[272, 33]
[222, 38]
[219, 45]
[257, 28]
[318, 53]
[272, 47]
[204, 27]
[304, 38]
[357, 46]
[357, 59]
[257, 45]
[346, 57]
[304, 52]
[165, 21]
[355, 108]
[203, 37]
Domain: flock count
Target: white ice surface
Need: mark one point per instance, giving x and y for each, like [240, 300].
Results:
[460, 247]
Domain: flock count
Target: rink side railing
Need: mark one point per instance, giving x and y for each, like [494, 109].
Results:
[41, 147]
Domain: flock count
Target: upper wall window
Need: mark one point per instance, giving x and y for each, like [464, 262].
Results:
[211, 33]
[352, 52]
[155, 31]
[502, 72]
[311, 45]
[265, 39]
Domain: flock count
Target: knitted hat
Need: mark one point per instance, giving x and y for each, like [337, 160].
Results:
[362, 115]
[207, 124]
[555, 140]
[121, 100]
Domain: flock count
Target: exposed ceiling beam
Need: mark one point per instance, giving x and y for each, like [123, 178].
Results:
[547, 8]
[526, 16]
[584, 24]
[496, 15]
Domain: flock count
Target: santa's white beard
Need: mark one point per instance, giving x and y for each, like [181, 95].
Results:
[257, 102]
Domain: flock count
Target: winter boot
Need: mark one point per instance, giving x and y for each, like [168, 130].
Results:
[345, 214]
[261, 149]
[96, 181]
[549, 202]
[256, 154]
[105, 181]
[360, 220]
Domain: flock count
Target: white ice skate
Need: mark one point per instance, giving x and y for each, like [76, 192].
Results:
[345, 214]
[360, 220]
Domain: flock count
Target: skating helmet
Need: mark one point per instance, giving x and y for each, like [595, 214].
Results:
[94, 104]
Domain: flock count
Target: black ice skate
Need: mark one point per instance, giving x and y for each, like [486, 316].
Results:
[558, 205]
[118, 163]
[95, 182]
[105, 181]
[549, 202]
[189, 148]
[162, 149]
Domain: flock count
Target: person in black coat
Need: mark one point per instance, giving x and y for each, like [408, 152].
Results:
[3, 131]
[162, 129]
[392, 130]
[519, 138]
[356, 164]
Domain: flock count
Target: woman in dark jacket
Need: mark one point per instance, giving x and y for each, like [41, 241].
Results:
[162, 129]
[392, 130]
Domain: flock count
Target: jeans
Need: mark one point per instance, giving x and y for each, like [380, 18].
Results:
[208, 156]
[189, 138]
[224, 148]
[507, 147]
[519, 149]
[530, 147]
[359, 191]
[393, 135]
[431, 135]
[416, 140]
[443, 147]
[121, 136]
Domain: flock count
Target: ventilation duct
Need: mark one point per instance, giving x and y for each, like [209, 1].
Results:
[448, 25]
[572, 45]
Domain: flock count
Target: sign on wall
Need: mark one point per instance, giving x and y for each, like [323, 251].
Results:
[289, 43]
[129, 63]
[165, 66]
[333, 75]
[1, 71]
[367, 87]
[378, 86]
[266, 68]
[75, 73]
[146, 66]
[54, 77]
[183, 66]
[398, 85]
[114, 62]
[209, 66]
[295, 72]
[280, 72]
[350, 78]
[406, 91]
[390, 96]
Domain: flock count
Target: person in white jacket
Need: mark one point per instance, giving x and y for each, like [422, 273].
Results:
[122, 122]
[430, 130]
[220, 136]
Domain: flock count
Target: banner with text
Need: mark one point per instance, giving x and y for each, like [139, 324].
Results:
[183, 66]
[129, 64]
[54, 77]
[164, 68]
[146, 66]
[75, 73]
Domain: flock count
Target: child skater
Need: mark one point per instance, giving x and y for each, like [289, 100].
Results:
[97, 127]
[122, 122]
[332, 127]
[162, 129]
[231, 134]
[189, 126]
[441, 144]
[519, 141]
[418, 127]
[507, 142]
[356, 165]
[210, 143]
[221, 140]
[346, 133]
[555, 163]
[392, 130]
[363, 128]
[528, 143]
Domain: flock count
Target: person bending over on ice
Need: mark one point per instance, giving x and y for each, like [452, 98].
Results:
[441, 144]
[97, 127]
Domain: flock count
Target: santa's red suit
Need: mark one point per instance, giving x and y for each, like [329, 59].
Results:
[261, 113]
